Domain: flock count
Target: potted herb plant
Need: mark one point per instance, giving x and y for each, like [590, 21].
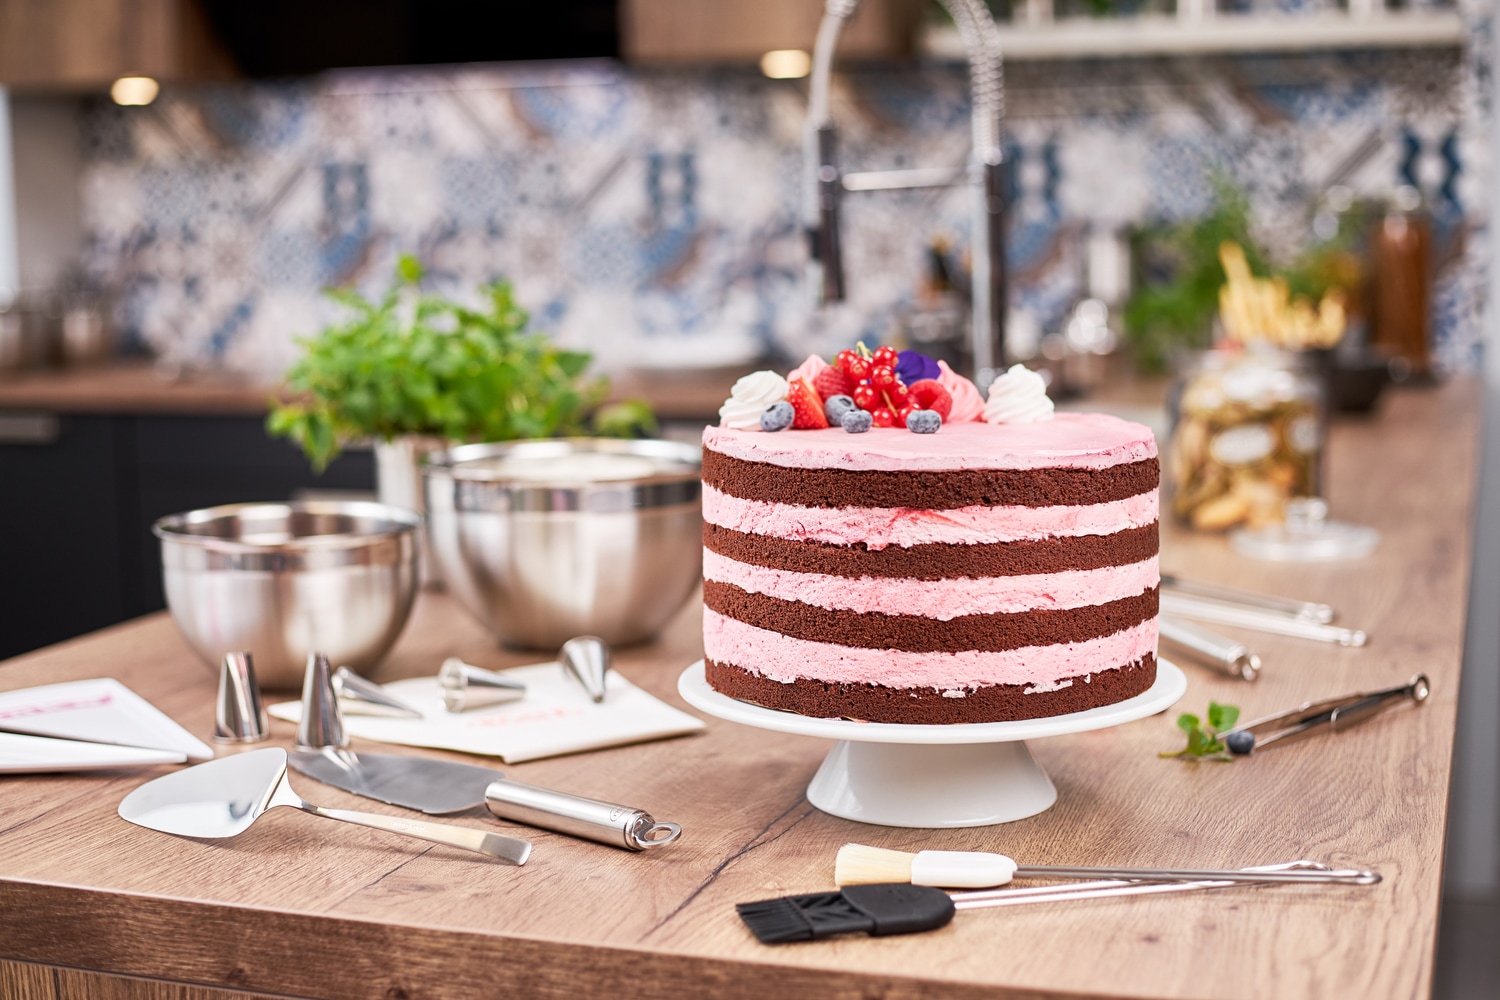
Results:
[415, 372]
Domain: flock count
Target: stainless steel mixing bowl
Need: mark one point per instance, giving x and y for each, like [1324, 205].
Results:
[540, 549]
[280, 580]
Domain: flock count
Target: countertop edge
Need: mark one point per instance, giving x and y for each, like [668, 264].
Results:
[284, 952]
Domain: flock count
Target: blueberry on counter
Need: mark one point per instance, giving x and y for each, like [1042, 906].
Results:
[923, 421]
[857, 421]
[836, 406]
[778, 416]
[1240, 741]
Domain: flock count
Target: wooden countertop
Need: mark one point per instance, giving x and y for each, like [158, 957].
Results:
[137, 389]
[304, 907]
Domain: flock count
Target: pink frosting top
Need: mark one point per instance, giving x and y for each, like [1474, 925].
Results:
[1068, 440]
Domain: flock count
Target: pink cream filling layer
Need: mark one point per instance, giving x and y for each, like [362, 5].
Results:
[939, 599]
[878, 527]
[1041, 668]
[1067, 441]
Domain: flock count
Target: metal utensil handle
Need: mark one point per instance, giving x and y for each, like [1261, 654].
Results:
[1350, 876]
[1307, 610]
[592, 819]
[1336, 713]
[510, 850]
[1105, 890]
[978, 899]
[1417, 689]
[1263, 621]
[1228, 655]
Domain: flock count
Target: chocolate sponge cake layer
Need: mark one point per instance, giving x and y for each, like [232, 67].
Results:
[928, 490]
[940, 561]
[929, 706]
[918, 634]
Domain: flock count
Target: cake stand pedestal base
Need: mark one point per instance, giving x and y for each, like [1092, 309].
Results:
[971, 774]
[926, 785]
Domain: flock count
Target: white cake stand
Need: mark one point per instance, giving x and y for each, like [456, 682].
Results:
[974, 774]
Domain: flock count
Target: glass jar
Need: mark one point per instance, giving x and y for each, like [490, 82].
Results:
[1247, 436]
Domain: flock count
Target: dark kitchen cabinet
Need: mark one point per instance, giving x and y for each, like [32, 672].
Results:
[78, 495]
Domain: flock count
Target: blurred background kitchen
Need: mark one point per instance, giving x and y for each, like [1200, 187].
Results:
[181, 180]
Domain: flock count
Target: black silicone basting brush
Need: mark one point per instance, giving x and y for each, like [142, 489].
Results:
[902, 908]
[889, 908]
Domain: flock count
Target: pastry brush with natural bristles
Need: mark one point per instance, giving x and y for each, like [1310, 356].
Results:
[857, 864]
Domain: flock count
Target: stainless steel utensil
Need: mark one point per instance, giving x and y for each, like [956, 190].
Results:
[1306, 610]
[1184, 606]
[358, 696]
[592, 819]
[545, 540]
[1337, 714]
[321, 723]
[1225, 654]
[586, 659]
[223, 797]
[239, 716]
[466, 686]
[437, 787]
[983, 898]
[278, 580]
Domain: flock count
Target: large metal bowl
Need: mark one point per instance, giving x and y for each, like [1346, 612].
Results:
[280, 580]
[540, 549]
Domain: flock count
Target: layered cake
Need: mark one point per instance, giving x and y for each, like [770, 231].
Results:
[998, 564]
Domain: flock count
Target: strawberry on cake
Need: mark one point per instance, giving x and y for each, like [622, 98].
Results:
[882, 543]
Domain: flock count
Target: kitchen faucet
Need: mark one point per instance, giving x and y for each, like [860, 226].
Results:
[984, 174]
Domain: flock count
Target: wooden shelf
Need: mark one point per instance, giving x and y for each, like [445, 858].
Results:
[1168, 35]
[83, 45]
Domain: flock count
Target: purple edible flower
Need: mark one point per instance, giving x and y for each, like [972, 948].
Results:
[913, 366]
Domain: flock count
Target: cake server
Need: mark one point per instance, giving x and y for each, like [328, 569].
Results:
[1228, 655]
[437, 787]
[1336, 714]
[223, 797]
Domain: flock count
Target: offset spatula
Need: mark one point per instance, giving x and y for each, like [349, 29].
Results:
[435, 787]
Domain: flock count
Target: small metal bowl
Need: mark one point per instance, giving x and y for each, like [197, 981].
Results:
[545, 540]
[281, 580]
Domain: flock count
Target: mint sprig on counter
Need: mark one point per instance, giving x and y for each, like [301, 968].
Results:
[1204, 742]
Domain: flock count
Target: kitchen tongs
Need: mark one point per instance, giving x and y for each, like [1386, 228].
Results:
[1335, 713]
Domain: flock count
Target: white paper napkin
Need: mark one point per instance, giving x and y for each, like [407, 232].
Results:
[42, 755]
[81, 725]
[556, 717]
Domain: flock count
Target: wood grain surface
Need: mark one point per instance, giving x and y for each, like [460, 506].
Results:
[304, 907]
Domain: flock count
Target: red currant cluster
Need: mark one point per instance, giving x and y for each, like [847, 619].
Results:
[876, 387]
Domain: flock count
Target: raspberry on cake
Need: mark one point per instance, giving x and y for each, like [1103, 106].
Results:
[986, 573]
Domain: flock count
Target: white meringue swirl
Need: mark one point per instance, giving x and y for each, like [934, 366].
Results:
[749, 399]
[1018, 397]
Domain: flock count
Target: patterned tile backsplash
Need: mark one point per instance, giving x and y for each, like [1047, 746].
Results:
[654, 215]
